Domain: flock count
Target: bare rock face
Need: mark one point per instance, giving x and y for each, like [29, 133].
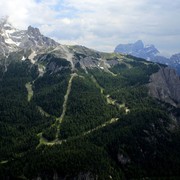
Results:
[13, 40]
[35, 40]
[165, 86]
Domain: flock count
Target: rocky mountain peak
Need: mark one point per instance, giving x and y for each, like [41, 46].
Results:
[137, 49]
[12, 39]
[33, 31]
[138, 45]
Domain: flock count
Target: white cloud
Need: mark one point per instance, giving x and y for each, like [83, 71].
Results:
[23, 13]
[100, 24]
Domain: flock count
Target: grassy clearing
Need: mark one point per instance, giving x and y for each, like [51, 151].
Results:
[29, 90]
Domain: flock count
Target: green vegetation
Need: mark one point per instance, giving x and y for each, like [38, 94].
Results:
[50, 133]
[49, 92]
[50, 89]
[137, 75]
[20, 120]
[143, 141]
[68, 160]
[96, 139]
[86, 108]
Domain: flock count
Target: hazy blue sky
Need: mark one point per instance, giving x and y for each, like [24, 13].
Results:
[100, 24]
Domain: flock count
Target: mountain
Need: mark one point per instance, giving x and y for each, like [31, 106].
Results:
[138, 49]
[70, 112]
[149, 52]
[12, 39]
[175, 62]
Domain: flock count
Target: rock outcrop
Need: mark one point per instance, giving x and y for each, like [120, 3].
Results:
[165, 86]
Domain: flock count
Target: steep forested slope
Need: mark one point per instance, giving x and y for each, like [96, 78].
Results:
[93, 119]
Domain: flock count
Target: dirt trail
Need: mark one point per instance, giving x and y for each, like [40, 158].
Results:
[108, 97]
[29, 90]
[60, 119]
[56, 141]
[113, 120]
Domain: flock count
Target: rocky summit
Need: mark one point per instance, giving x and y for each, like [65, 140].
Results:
[12, 39]
[70, 112]
[138, 49]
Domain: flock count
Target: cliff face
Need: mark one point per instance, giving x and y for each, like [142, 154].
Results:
[165, 85]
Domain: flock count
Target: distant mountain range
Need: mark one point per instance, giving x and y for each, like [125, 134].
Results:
[150, 53]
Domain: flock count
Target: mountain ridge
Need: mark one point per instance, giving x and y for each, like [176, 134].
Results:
[150, 53]
[43, 48]
[12, 39]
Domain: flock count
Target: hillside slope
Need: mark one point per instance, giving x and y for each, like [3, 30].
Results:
[69, 112]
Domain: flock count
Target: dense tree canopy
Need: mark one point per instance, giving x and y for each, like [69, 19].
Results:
[96, 138]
